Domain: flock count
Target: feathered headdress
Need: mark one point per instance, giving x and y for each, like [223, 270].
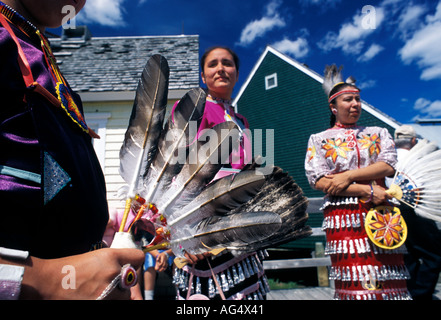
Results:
[417, 181]
[174, 191]
[332, 78]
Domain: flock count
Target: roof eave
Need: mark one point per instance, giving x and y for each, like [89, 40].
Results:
[369, 108]
[107, 96]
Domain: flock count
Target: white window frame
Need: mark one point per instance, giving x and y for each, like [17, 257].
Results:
[268, 78]
[97, 121]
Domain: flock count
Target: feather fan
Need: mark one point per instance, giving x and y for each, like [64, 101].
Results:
[279, 194]
[229, 232]
[173, 143]
[145, 126]
[248, 193]
[417, 181]
[173, 180]
[220, 197]
[206, 157]
[146, 121]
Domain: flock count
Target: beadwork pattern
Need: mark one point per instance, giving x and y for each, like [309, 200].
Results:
[228, 275]
[55, 178]
[360, 269]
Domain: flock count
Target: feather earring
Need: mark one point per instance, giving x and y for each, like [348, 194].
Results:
[417, 180]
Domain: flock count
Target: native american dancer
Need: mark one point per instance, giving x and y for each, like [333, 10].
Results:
[365, 232]
[52, 189]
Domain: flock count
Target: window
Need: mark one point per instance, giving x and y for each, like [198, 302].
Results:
[271, 81]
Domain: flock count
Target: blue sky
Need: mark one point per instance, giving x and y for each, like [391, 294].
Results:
[392, 47]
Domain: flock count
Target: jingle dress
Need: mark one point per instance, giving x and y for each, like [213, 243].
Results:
[238, 277]
[360, 269]
[52, 189]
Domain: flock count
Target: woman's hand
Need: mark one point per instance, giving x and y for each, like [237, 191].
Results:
[341, 185]
[79, 277]
[334, 184]
[380, 195]
[161, 262]
[192, 259]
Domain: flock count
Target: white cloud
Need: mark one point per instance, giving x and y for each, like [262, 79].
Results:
[410, 18]
[437, 15]
[373, 50]
[104, 12]
[431, 109]
[258, 28]
[350, 38]
[367, 84]
[298, 48]
[320, 3]
[423, 47]
[271, 8]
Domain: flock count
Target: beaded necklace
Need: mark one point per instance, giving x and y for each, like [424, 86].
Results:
[346, 126]
[219, 100]
[17, 19]
[64, 94]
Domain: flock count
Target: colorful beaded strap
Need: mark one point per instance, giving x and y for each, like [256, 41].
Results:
[64, 97]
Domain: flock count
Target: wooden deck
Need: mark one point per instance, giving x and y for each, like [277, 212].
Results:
[319, 293]
[313, 293]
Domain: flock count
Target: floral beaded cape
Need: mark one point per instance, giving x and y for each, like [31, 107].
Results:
[340, 149]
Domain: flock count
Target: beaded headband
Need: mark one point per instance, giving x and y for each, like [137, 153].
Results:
[344, 91]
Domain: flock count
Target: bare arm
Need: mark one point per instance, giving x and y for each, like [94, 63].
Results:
[83, 276]
[341, 184]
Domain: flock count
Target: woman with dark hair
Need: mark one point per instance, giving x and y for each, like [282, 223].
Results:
[224, 276]
[349, 164]
[52, 189]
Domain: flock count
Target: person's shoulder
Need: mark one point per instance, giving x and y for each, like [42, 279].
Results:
[375, 129]
[378, 128]
[329, 131]
[8, 60]
[8, 46]
[5, 37]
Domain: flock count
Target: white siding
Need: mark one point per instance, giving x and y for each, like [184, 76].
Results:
[117, 121]
[114, 135]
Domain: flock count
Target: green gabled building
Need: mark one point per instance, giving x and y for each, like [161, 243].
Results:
[285, 97]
